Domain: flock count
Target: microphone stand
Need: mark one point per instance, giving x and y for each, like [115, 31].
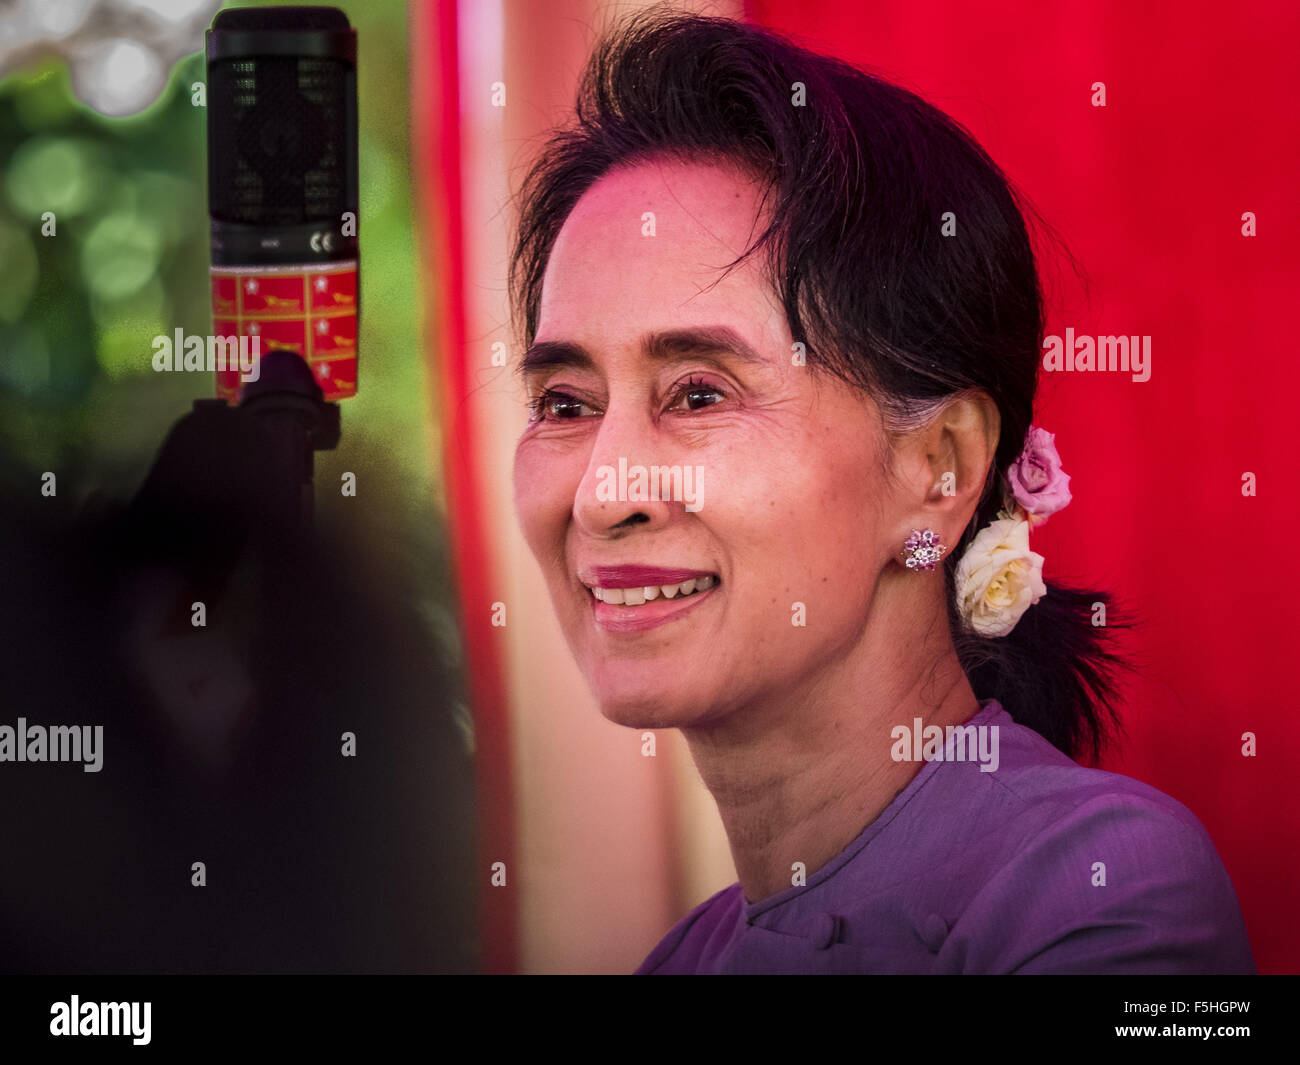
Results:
[287, 404]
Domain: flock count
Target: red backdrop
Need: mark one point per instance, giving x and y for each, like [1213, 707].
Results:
[1200, 126]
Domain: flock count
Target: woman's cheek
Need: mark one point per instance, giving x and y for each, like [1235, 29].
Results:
[538, 501]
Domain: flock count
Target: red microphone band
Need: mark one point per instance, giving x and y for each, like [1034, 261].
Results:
[310, 309]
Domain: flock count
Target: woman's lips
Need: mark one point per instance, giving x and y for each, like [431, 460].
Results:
[649, 612]
[638, 576]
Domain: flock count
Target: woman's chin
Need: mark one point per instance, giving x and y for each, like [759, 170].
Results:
[645, 709]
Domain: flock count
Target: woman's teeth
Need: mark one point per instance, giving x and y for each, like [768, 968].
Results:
[637, 596]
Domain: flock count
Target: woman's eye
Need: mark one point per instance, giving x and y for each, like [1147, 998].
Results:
[556, 406]
[698, 394]
[553, 406]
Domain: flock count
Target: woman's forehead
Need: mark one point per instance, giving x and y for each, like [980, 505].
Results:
[653, 241]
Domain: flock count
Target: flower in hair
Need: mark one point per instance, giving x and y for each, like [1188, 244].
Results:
[998, 578]
[1035, 481]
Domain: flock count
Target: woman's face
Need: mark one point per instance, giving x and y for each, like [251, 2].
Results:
[646, 356]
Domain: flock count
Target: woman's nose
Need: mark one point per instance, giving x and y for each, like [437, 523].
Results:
[618, 489]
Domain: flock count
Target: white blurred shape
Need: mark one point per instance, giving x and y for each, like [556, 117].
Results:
[170, 10]
[119, 50]
[55, 18]
[118, 77]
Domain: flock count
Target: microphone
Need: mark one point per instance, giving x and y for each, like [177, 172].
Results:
[282, 194]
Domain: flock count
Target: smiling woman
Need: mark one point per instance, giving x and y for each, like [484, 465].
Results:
[740, 259]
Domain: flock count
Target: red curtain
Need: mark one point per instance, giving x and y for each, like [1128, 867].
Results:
[1199, 127]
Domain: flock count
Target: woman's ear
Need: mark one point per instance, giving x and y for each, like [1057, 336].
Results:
[945, 464]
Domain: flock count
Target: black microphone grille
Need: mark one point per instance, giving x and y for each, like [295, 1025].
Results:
[278, 127]
[281, 116]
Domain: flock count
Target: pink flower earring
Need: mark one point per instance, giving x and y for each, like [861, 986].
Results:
[923, 549]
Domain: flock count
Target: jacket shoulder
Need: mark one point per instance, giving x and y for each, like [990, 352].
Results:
[696, 937]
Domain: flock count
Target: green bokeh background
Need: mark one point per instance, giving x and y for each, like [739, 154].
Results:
[129, 261]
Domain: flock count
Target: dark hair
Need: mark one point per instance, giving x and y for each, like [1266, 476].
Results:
[856, 183]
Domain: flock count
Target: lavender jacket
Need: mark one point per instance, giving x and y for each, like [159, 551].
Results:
[991, 872]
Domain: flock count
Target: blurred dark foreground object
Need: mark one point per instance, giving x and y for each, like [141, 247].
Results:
[222, 743]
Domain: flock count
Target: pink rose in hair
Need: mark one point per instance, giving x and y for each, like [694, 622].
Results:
[1035, 480]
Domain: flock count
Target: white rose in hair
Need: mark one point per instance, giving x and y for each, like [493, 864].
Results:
[998, 578]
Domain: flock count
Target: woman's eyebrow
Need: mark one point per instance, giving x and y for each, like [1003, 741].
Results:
[701, 340]
[665, 345]
[553, 354]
